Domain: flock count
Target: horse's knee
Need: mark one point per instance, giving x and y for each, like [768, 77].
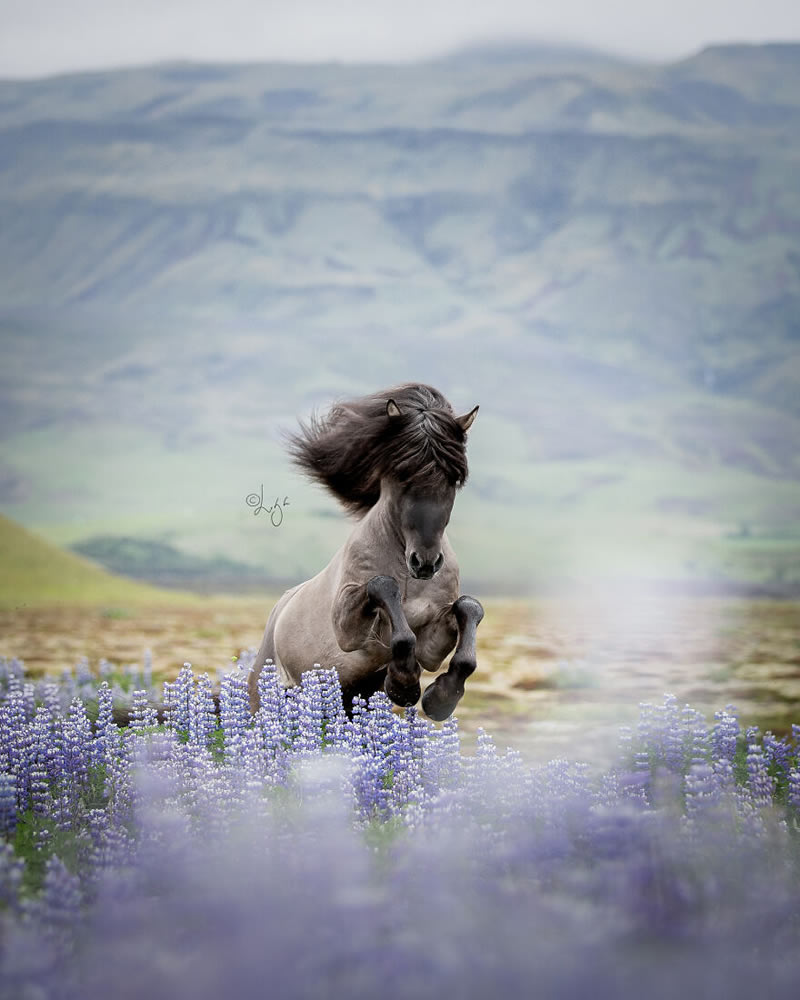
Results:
[466, 609]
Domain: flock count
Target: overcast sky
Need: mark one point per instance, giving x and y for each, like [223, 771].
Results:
[38, 37]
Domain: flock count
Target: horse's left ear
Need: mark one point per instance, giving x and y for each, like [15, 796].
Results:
[392, 409]
[466, 421]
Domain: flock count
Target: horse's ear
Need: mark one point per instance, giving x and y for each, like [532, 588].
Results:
[466, 421]
[392, 409]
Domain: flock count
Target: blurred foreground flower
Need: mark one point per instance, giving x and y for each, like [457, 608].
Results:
[302, 852]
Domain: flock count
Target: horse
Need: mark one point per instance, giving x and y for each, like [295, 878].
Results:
[388, 604]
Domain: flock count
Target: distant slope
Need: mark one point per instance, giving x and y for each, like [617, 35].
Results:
[166, 566]
[35, 572]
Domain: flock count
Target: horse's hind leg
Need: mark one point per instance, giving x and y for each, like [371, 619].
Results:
[402, 676]
[444, 694]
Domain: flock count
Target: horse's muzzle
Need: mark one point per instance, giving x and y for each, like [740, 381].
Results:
[424, 570]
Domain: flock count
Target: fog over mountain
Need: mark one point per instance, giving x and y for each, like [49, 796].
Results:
[42, 37]
[603, 254]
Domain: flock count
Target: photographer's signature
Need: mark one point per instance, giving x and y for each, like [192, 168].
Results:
[256, 501]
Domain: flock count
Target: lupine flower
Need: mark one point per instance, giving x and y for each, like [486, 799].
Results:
[793, 793]
[8, 804]
[760, 781]
[725, 733]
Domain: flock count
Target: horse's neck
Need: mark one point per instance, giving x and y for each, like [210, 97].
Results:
[377, 539]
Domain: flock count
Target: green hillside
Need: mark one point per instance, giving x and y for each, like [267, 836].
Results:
[603, 254]
[35, 572]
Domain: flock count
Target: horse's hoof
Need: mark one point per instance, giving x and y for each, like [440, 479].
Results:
[440, 700]
[401, 694]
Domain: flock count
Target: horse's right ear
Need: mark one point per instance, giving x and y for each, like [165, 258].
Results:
[465, 422]
[392, 409]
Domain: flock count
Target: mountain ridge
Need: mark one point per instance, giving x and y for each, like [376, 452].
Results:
[603, 255]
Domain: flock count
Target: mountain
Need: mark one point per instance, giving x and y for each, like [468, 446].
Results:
[603, 254]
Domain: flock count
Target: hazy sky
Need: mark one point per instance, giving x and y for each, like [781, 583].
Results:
[38, 37]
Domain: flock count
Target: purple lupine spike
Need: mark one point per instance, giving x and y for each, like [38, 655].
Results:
[761, 783]
[793, 791]
[419, 730]
[77, 740]
[178, 696]
[39, 761]
[203, 718]
[671, 750]
[380, 725]
[400, 756]
[290, 717]
[12, 726]
[29, 700]
[698, 742]
[169, 701]
[270, 725]
[147, 712]
[270, 692]
[15, 739]
[356, 727]
[445, 748]
[646, 727]
[725, 734]
[105, 720]
[703, 789]
[779, 752]
[333, 708]
[8, 808]
[116, 772]
[369, 786]
[234, 710]
[50, 694]
[312, 712]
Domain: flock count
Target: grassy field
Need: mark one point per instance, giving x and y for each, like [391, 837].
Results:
[36, 573]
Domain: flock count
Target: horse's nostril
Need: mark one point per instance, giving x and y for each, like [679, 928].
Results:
[438, 564]
[415, 561]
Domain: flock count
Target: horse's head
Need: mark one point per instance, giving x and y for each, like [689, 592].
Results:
[427, 470]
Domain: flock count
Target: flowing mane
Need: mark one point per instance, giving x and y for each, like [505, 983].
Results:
[356, 444]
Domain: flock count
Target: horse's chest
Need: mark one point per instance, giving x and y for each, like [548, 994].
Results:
[419, 612]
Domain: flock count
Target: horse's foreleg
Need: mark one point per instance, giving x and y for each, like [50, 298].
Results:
[402, 676]
[446, 691]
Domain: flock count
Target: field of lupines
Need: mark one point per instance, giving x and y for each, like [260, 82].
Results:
[302, 853]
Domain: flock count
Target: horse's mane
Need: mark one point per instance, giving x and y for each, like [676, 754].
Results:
[356, 444]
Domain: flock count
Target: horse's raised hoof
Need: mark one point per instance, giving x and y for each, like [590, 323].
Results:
[400, 693]
[441, 698]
